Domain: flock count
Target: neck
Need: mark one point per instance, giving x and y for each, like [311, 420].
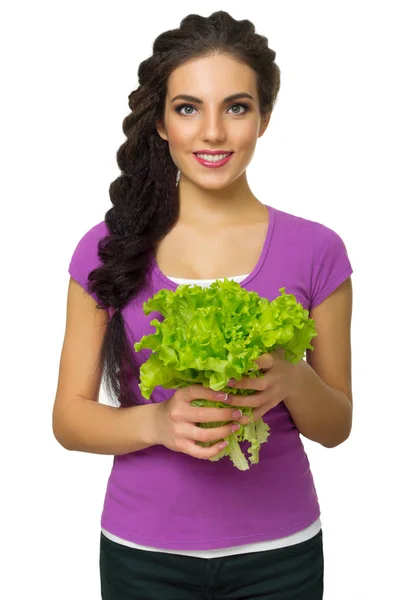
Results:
[215, 207]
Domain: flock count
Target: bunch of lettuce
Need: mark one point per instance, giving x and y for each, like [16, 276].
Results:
[211, 334]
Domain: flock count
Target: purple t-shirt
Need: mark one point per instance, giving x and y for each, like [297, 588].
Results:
[170, 500]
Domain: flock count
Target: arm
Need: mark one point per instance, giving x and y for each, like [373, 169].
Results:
[322, 406]
[80, 422]
[89, 426]
[320, 412]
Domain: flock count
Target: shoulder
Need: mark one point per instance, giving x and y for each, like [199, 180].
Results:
[291, 224]
[85, 256]
[87, 244]
[316, 250]
[94, 235]
[315, 233]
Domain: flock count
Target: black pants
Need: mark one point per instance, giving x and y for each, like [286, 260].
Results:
[291, 573]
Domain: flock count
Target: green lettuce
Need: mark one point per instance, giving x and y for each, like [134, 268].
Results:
[209, 335]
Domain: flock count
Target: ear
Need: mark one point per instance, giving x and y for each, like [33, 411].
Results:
[161, 130]
[264, 124]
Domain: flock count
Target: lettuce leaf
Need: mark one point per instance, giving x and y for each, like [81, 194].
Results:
[209, 335]
[254, 432]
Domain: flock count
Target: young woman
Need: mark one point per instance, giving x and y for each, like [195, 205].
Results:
[176, 526]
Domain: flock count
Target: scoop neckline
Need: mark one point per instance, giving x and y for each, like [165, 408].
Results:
[272, 212]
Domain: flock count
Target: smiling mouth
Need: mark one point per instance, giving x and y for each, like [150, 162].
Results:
[217, 160]
[211, 156]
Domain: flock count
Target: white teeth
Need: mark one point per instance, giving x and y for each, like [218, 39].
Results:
[213, 158]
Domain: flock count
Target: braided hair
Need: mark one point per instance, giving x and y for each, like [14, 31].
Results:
[145, 196]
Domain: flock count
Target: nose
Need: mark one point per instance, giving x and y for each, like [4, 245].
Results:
[213, 128]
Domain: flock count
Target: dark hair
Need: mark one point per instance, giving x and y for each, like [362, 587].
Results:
[145, 196]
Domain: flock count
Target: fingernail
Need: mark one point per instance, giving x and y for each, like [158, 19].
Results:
[235, 427]
[222, 445]
[236, 414]
[223, 396]
[232, 381]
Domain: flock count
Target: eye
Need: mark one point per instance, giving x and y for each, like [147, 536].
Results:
[179, 108]
[244, 106]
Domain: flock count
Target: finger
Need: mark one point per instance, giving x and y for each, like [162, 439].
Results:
[266, 360]
[251, 401]
[257, 413]
[204, 414]
[200, 392]
[193, 449]
[207, 434]
[253, 383]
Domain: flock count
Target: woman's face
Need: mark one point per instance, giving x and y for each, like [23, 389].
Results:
[213, 123]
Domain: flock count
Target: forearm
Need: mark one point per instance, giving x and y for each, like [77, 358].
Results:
[88, 426]
[321, 413]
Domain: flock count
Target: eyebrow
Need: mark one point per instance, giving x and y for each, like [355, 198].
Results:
[227, 99]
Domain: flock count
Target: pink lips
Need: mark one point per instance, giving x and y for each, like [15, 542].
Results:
[213, 165]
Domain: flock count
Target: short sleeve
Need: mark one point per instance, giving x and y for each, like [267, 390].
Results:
[85, 257]
[330, 264]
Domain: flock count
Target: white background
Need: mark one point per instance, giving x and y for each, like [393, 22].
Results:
[332, 153]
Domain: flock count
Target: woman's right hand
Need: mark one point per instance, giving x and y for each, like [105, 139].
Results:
[175, 422]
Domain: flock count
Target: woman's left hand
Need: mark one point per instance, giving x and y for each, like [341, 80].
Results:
[281, 379]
